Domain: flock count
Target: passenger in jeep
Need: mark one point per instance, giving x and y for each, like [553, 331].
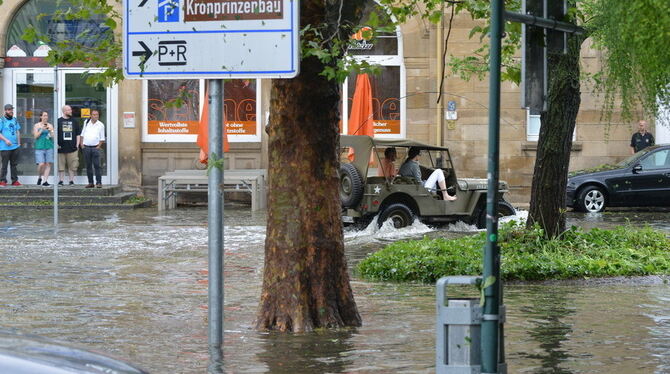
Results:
[387, 166]
[411, 168]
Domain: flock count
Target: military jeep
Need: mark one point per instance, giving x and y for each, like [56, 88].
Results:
[365, 194]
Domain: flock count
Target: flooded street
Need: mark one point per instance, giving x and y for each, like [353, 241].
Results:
[134, 284]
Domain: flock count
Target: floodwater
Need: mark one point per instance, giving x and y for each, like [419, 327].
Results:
[134, 284]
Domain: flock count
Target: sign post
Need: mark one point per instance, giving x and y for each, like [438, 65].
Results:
[212, 39]
[492, 290]
[55, 150]
[535, 74]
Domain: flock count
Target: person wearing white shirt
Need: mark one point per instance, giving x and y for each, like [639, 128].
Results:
[92, 137]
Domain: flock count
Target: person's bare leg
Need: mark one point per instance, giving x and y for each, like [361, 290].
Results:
[61, 175]
[71, 172]
[47, 170]
[445, 195]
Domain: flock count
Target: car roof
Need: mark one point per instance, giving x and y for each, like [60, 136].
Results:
[364, 140]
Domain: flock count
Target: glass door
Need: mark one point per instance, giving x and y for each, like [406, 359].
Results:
[33, 94]
[82, 98]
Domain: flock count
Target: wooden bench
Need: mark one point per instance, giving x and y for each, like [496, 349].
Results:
[196, 181]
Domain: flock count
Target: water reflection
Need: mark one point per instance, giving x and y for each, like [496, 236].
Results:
[547, 314]
[318, 352]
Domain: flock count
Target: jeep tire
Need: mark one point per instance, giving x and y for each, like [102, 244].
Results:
[351, 186]
[504, 209]
[399, 213]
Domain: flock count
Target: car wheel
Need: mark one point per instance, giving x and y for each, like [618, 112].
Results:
[400, 215]
[351, 185]
[592, 199]
[504, 209]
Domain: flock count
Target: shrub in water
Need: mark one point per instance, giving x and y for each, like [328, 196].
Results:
[526, 255]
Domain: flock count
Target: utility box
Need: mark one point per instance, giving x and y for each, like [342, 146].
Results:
[458, 331]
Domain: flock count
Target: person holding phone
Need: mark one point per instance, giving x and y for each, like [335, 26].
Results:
[43, 132]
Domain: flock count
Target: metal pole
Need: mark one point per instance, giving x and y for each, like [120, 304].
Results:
[215, 214]
[490, 319]
[544, 22]
[55, 121]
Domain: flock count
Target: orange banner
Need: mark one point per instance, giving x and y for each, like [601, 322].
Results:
[241, 128]
[387, 126]
[173, 127]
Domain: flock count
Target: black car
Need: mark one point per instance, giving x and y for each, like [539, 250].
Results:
[643, 179]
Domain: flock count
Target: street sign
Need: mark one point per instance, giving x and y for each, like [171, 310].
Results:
[168, 39]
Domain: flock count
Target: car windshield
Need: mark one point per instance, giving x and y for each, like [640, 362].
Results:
[629, 161]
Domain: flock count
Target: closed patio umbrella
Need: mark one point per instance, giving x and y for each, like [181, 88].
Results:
[203, 131]
[360, 119]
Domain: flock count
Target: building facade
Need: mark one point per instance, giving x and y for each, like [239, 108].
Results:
[147, 136]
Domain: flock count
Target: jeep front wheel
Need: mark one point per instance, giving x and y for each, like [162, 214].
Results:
[399, 214]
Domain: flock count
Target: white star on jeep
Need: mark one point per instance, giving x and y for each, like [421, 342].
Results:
[378, 190]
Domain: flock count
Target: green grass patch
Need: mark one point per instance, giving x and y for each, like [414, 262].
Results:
[526, 255]
[136, 200]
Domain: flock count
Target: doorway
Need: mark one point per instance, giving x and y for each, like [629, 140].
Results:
[31, 91]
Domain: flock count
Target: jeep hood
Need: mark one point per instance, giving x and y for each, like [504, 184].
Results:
[478, 184]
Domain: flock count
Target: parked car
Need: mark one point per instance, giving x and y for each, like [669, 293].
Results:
[30, 354]
[642, 179]
[364, 194]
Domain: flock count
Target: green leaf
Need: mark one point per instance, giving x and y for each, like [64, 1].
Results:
[490, 280]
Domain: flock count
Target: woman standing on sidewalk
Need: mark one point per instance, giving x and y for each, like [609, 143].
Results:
[44, 145]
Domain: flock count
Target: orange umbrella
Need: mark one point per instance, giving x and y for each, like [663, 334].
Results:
[360, 119]
[203, 131]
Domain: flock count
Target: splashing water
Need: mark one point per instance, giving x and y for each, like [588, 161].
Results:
[385, 232]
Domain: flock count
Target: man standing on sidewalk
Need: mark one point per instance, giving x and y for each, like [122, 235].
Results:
[68, 145]
[92, 137]
[641, 139]
[10, 145]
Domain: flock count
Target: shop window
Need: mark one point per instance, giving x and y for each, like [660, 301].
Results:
[388, 87]
[240, 98]
[385, 100]
[167, 122]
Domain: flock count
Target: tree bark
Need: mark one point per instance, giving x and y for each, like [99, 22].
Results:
[305, 279]
[547, 199]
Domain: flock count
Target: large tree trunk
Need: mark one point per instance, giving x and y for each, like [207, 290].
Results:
[547, 198]
[305, 280]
